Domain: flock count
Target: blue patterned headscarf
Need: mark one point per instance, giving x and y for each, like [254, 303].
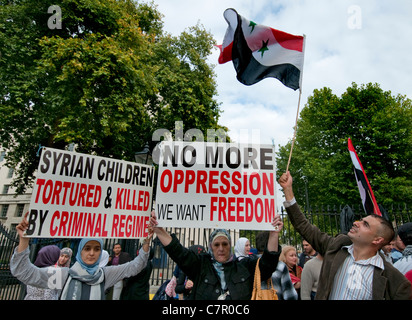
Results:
[91, 269]
[218, 233]
[218, 265]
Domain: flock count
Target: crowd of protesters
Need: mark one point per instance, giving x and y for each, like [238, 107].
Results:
[370, 262]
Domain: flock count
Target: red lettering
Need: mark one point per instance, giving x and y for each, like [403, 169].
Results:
[139, 226]
[48, 188]
[190, 179]
[89, 196]
[104, 232]
[245, 180]
[90, 224]
[213, 207]
[119, 196]
[121, 225]
[178, 179]
[134, 206]
[53, 230]
[56, 192]
[163, 187]
[231, 208]
[73, 195]
[40, 183]
[129, 226]
[81, 196]
[254, 190]
[269, 210]
[225, 188]
[236, 176]
[77, 224]
[201, 181]
[98, 226]
[140, 199]
[66, 186]
[258, 217]
[128, 206]
[115, 225]
[268, 184]
[97, 196]
[63, 222]
[213, 179]
[146, 225]
[249, 209]
[239, 209]
[222, 209]
[146, 201]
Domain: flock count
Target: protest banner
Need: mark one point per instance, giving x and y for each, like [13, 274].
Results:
[83, 196]
[216, 185]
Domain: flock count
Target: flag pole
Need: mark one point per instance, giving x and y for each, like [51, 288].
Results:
[294, 133]
[297, 113]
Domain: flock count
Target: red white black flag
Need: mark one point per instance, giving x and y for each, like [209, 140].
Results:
[259, 52]
[365, 190]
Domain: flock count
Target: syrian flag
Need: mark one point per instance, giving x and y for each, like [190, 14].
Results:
[259, 52]
[368, 199]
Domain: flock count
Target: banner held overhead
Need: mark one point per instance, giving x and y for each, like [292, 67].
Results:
[210, 185]
[79, 196]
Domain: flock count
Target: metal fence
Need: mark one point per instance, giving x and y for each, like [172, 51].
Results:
[329, 219]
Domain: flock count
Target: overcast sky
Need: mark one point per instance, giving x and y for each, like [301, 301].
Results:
[358, 41]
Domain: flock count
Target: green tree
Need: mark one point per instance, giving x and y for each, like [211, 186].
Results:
[379, 125]
[106, 80]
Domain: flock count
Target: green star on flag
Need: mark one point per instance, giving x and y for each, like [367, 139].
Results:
[264, 47]
[252, 24]
[280, 56]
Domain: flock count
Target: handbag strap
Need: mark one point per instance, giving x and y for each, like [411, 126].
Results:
[256, 282]
[257, 279]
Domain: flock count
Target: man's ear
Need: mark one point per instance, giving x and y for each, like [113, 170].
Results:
[379, 242]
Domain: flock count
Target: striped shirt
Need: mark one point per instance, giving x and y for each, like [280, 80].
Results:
[353, 281]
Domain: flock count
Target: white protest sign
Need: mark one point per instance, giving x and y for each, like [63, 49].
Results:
[83, 196]
[216, 185]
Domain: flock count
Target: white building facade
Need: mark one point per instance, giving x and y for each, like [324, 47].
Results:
[12, 206]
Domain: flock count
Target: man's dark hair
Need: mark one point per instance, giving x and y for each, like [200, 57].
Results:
[386, 230]
[262, 239]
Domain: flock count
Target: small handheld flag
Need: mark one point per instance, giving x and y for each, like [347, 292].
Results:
[368, 199]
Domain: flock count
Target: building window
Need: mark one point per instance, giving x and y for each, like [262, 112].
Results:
[6, 188]
[19, 210]
[10, 173]
[4, 210]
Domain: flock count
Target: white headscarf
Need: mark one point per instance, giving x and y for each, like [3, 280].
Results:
[104, 259]
[240, 248]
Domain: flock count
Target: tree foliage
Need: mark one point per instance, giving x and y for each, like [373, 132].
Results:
[379, 125]
[106, 80]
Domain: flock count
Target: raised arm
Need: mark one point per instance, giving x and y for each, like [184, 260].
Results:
[164, 237]
[286, 183]
[273, 241]
[319, 240]
[28, 273]
[21, 229]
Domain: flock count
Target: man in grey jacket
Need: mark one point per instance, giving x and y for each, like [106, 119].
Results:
[353, 268]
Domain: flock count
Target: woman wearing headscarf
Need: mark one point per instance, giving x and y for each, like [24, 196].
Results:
[64, 258]
[46, 257]
[104, 259]
[85, 280]
[242, 248]
[216, 275]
